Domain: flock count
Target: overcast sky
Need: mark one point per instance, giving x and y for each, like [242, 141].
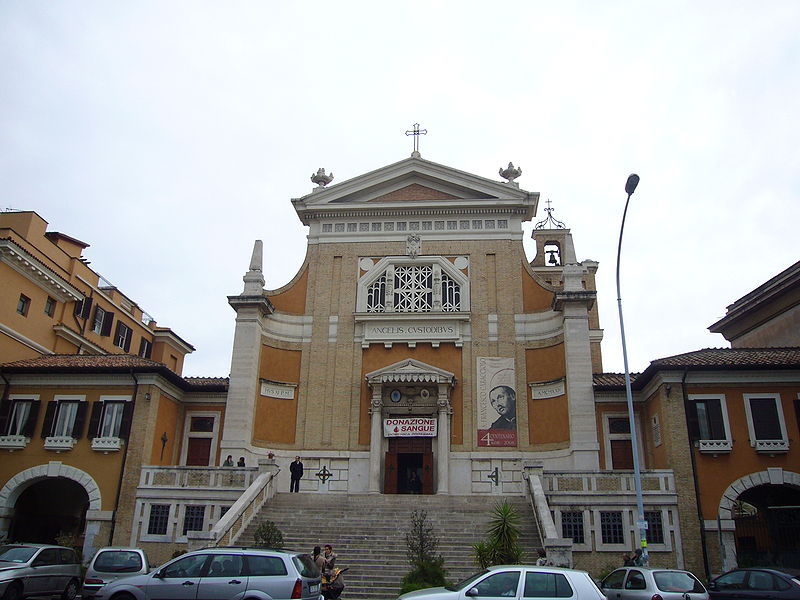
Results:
[170, 135]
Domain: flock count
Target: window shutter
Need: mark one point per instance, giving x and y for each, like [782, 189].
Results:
[32, 416]
[94, 420]
[117, 330]
[128, 339]
[127, 419]
[691, 420]
[83, 308]
[80, 419]
[766, 424]
[5, 413]
[108, 320]
[49, 414]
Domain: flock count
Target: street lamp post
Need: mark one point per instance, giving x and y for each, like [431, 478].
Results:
[641, 523]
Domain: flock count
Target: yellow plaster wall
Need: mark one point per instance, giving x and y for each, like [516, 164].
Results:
[168, 419]
[446, 357]
[548, 418]
[276, 418]
[534, 297]
[292, 298]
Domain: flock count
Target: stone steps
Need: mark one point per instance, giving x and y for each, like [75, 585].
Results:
[367, 533]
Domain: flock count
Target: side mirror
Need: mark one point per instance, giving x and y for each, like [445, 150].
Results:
[159, 574]
[472, 592]
[711, 585]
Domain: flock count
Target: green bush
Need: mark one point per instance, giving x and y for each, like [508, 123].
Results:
[267, 535]
[501, 546]
[427, 568]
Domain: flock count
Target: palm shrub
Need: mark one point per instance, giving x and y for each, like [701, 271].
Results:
[501, 546]
[267, 535]
[427, 568]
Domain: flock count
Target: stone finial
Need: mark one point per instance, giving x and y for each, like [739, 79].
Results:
[320, 178]
[510, 173]
[254, 278]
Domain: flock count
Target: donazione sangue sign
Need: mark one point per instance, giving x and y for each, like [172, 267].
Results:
[410, 427]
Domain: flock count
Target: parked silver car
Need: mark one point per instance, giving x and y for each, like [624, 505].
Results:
[38, 570]
[222, 574]
[650, 583]
[516, 581]
[112, 563]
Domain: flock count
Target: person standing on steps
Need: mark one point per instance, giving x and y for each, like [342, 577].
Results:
[296, 471]
[319, 560]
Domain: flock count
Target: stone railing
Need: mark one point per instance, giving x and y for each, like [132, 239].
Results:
[558, 549]
[230, 527]
[171, 477]
[654, 482]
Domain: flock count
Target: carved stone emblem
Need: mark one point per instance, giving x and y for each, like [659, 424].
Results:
[320, 178]
[413, 245]
[510, 173]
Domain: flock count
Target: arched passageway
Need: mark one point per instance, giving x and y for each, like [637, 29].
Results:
[767, 519]
[49, 508]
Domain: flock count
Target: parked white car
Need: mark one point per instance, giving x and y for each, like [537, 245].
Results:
[516, 581]
[112, 563]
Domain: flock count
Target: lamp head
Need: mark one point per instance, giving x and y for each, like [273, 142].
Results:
[630, 185]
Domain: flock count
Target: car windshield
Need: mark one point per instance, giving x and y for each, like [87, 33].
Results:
[465, 582]
[17, 554]
[677, 581]
[118, 561]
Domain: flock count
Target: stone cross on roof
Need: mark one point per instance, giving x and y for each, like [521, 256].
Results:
[416, 132]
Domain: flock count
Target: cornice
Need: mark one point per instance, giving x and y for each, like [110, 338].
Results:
[34, 270]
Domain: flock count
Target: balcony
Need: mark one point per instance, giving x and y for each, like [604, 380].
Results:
[13, 442]
[714, 446]
[772, 446]
[107, 444]
[59, 443]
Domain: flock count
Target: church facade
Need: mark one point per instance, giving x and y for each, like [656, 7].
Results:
[417, 338]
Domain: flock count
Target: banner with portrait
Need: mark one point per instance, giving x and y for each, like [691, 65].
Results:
[497, 401]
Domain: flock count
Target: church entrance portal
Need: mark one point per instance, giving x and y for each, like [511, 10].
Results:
[409, 466]
[38, 518]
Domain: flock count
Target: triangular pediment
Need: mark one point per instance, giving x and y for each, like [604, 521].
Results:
[410, 370]
[413, 183]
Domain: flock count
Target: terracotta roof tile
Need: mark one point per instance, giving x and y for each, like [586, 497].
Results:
[87, 361]
[708, 359]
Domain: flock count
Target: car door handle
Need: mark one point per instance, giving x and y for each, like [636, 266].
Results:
[188, 583]
[234, 582]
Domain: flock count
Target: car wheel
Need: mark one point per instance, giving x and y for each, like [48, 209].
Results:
[71, 591]
[13, 592]
[123, 596]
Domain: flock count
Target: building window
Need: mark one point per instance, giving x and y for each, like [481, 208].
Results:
[611, 531]
[193, 518]
[363, 226]
[23, 305]
[145, 348]
[327, 227]
[413, 288]
[572, 526]
[765, 422]
[338, 227]
[655, 527]
[705, 419]
[122, 337]
[655, 425]
[64, 417]
[66, 414]
[159, 519]
[18, 416]
[112, 419]
[101, 324]
[619, 448]
[50, 306]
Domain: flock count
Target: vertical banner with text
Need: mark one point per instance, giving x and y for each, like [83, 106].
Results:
[497, 401]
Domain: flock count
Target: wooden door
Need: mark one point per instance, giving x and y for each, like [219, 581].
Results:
[198, 452]
[390, 473]
[621, 454]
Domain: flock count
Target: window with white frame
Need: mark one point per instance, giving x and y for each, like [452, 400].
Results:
[765, 422]
[123, 336]
[65, 418]
[18, 415]
[99, 318]
[193, 517]
[572, 525]
[421, 285]
[707, 417]
[111, 419]
[158, 520]
[655, 526]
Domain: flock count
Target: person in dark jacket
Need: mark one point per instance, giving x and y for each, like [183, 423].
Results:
[296, 471]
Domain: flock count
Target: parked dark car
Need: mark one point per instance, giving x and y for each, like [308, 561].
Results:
[28, 570]
[745, 584]
[651, 583]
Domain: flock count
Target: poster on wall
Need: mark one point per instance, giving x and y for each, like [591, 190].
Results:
[497, 402]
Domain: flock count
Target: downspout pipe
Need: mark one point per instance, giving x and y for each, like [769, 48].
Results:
[686, 409]
[122, 466]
